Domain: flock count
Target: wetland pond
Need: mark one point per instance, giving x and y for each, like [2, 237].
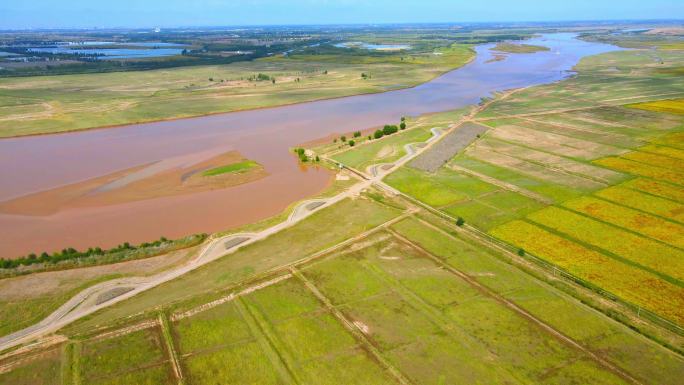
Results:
[30, 165]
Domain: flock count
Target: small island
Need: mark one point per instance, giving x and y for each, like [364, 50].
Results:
[519, 48]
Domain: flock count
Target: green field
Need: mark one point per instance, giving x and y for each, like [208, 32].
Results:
[410, 302]
[567, 270]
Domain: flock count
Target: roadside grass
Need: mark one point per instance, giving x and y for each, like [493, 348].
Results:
[617, 343]
[18, 314]
[232, 168]
[323, 229]
[653, 255]
[628, 282]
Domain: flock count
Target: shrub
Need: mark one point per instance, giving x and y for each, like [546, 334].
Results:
[521, 252]
[378, 134]
[460, 222]
[389, 130]
[357, 134]
[352, 143]
[402, 125]
[343, 138]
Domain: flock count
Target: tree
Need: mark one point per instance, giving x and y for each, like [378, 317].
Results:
[521, 252]
[318, 159]
[351, 143]
[211, 79]
[273, 80]
[402, 126]
[357, 134]
[369, 137]
[343, 138]
[378, 134]
[403, 118]
[325, 72]
[460, 222]
[389, 130]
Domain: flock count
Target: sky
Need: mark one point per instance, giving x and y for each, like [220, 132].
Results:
[17, 14]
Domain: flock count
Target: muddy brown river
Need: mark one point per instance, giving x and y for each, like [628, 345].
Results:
[33, 164]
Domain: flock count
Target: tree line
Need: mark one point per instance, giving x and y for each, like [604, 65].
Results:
[70, 254]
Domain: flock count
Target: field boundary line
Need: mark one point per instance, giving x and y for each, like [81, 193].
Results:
[264, 339]
[492, 242]
[353, 329]
[171, 349]
[511, 305]
[502, 184]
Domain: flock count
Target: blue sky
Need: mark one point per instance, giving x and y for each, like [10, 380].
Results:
[167, 13]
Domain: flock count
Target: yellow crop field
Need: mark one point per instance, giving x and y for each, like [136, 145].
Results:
[646, 224]
[663, 150]
[644, 202]
[655, 160]
[671, 106]
[674, 140]
[643, 251]
[637, 168]
[661, 189]
[628, 282]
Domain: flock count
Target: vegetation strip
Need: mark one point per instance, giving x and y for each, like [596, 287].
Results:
[351, 328]
[171, 348]
[266, 342]
[488, 292]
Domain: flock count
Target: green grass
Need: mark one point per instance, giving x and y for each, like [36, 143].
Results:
[459, 195]
[105, 361]
[386, 150]
[239, 167]
[622, 346]
[18, 314]
[422, 317]
[42, 370]
[519, 48]
[323, 229]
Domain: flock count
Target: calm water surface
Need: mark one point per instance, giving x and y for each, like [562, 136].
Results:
[38, 163]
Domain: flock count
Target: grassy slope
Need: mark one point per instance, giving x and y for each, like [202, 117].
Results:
[48, 104]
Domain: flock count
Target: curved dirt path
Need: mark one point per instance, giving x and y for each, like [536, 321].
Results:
[86, 302]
